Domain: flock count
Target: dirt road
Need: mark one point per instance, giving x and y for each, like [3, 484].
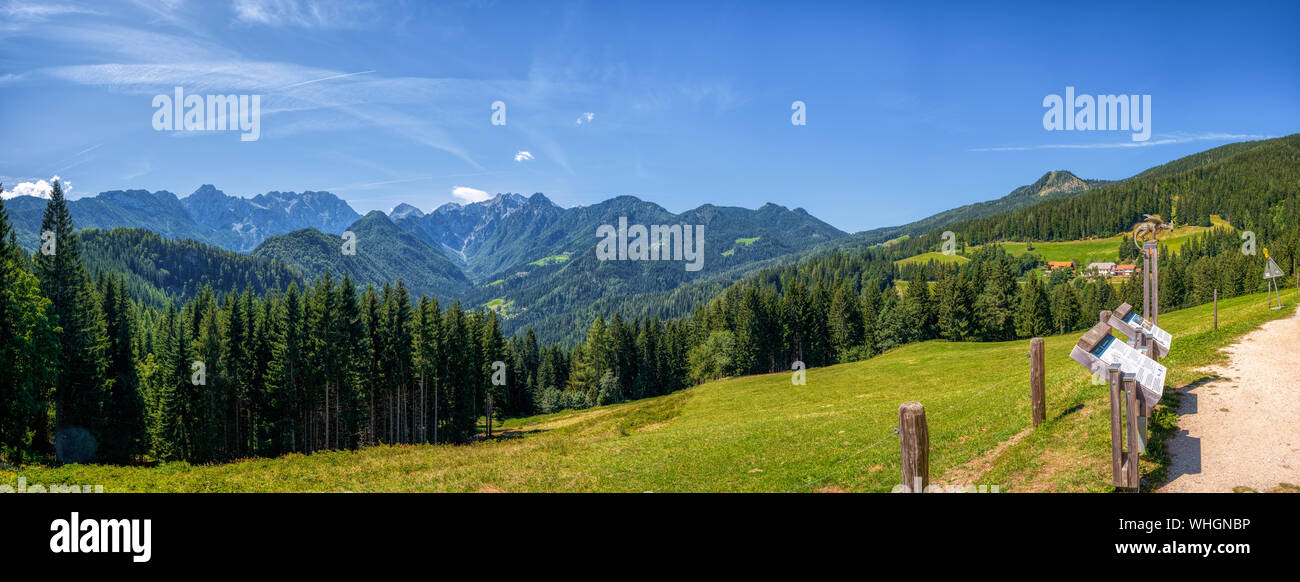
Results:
[1241, 428]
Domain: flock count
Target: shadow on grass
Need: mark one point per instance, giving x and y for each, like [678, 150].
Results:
[510, 434]
[1069, 411]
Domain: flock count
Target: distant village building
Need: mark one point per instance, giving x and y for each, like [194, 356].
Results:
[1123, 270]
[1103, 269]
[1054, 265]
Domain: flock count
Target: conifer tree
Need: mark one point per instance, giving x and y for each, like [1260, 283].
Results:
[28, 347]
[1033, 308]
[125, 432]
[75, 310]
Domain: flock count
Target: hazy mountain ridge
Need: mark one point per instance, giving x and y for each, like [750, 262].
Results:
[243, 223]
[208, 215]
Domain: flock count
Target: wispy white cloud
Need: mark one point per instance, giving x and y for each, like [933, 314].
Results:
[168, 11]
[586, 118]
[144, 168]
[523, 156]
[469, 195]
[22, 10]
[304, 13]
[329, 78]
[1170, 139]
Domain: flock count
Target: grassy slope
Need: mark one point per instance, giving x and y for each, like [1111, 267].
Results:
[756, 433]
[924, 258]
[1071, 452]
[1104, 250]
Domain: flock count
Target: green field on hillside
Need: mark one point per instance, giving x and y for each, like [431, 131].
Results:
[757, 433]
[551, 260]
[924, 258]
[1103, 250]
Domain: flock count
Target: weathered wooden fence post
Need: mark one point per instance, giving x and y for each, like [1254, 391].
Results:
[1131, 468]
[914, 443]
[1146, 347]
[1116, 427]
[1037, 378]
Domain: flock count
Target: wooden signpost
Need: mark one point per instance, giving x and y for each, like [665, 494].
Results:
[1151, 282]
[1136, 385]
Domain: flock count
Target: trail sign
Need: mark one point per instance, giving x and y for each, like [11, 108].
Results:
[1272, 271]
[1098, 349]
[1129, 323]
[1272, 274]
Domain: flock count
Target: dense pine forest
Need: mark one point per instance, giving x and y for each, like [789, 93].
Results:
[177, 362]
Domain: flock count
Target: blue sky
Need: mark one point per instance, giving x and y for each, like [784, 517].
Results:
[910, 109]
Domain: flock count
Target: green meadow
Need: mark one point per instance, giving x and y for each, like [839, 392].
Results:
[758, 433]
[1103, 250]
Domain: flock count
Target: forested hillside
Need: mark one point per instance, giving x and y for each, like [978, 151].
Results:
[1256, 188]
[156, 269]
[1055, 185]
[382, 254]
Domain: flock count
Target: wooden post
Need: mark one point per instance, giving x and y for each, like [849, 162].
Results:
[1146, 285]
[1216, 309]
[1155, 285]
[914, 443]
[1037, 373]
[1141, 412]
[1131, 468]
[1116, 430]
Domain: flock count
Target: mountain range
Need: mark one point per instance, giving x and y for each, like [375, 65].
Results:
[524, 256]
[208, 215]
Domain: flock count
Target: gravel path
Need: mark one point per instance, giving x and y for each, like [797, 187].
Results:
[1240, 428]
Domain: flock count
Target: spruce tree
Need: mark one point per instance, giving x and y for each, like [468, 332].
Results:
[125, 434]
[28, 347]
[74, 308]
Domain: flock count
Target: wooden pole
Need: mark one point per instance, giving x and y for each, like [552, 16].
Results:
[1131, 469]
[914, 443]
[1116, 431]
[1155, 285]
[1146, 285]
[1216, 309]
[1037, 373]
[1142, 411]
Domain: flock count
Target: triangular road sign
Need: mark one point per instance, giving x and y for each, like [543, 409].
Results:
[1272, 271]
